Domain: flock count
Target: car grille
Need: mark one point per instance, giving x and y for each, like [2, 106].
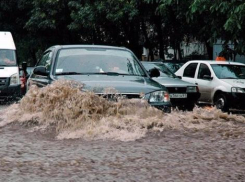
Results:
[176, 89]
[3, 81]
[115, 96]
[131, 96]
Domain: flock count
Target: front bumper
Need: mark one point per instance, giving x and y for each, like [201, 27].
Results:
[190, 100]
[10, 93]
[235, 100]
[164, 106]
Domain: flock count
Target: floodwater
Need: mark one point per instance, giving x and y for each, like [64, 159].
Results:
[59, 133]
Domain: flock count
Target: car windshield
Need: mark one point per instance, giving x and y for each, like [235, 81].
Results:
[229, 71]
[173, 66]
[97, 61]
[164, 71]
[7, 57]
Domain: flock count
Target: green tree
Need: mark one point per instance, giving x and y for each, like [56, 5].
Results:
[13, 16]
[223, 20]
[49, 22]
[107, 22]
[38, 24]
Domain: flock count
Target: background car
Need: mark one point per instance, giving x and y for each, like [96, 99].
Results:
[173, 65]
[183, 95]
[100, 67]
[221, 83]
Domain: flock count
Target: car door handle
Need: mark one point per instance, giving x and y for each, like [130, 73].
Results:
[196, 83]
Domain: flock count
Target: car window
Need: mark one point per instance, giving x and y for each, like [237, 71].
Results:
[97, 60]
[203, 70]
[173, 66]
[190, 70]
[7, 57]
[46, 60]
[229, 71]
[164, 71]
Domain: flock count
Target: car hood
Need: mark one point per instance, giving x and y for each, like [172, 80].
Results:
[235, 82]
[123, 84]
[172, 82]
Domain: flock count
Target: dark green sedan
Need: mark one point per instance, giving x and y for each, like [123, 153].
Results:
[98, 68]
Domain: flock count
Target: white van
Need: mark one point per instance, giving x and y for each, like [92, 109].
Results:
[9, 69]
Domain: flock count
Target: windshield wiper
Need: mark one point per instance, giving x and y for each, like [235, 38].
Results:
[116, 73]
[69, 73]
[111, 73]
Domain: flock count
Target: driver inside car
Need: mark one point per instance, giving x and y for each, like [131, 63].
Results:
[111, 67]
[4, 59]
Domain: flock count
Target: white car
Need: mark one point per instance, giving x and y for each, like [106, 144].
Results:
[221, 83]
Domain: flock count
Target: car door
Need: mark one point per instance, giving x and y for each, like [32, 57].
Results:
[189, 73]
[39, 80]
[204, 82]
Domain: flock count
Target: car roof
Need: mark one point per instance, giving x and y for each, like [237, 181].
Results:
[7, 41]
[88, 46]
[215, 62]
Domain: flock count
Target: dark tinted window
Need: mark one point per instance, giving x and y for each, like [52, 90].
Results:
[190, 70]
[203, 70]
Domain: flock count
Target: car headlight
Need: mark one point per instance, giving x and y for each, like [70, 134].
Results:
[159, 96]
[237, 90]
[191, 89]
[14, 79]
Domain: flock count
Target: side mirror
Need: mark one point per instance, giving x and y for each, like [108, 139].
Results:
[154, 72]
[40, 70]
[207, 77]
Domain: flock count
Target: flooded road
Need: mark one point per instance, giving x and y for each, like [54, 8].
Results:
[43, 145]
[166, 156]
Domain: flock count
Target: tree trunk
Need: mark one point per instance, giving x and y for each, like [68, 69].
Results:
[160, 37]
[179, 51]
[209, 50]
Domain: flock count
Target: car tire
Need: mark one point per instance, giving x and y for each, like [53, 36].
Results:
[190, 107]
[221, 103]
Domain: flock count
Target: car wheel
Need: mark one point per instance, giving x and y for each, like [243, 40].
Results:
[221, 103]
[190, 107]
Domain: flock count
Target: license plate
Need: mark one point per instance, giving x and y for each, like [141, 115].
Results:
[178, 95]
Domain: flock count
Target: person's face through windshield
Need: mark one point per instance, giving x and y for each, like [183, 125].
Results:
[113, 67]
[4, 60]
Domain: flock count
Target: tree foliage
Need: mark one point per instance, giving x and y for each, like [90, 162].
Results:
[226, 20]
[38, 24]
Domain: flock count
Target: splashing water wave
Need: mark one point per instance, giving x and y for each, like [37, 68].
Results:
[77, 114]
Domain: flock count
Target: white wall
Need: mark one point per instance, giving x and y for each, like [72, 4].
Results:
[217, 48]
[190, 48]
